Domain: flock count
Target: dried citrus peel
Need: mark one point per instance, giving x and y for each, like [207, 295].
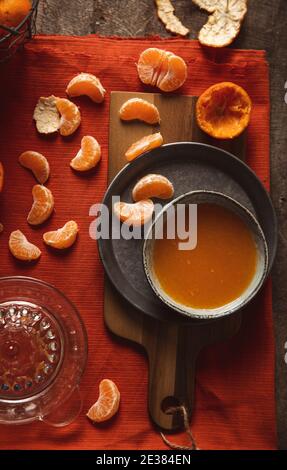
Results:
[165, 12]
[224, 23]
[46, 115]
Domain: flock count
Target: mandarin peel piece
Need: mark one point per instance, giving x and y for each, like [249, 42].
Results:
[148, 142]
[223, 110]
[46, 115]
[107, 404]
[139, 109]
[153, 185]
[70, 116]
[62, 238]
[224, 22]
[43, 205]
[136, 214]
[88, 156]
[86, 84]
[165, 12]
[21, 248]
[37, 163]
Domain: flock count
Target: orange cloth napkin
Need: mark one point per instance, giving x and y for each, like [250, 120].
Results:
[235, 380]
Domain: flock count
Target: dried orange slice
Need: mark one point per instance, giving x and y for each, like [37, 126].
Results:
[153, 186]
[43, 205]
[46, 115]
[63, 237]
[37, 163]
[86, 84]
[21, 248]
[88, 156]
[135, 214]
[148, 142]
[70, 116]
[223, 110]
[161, 68]
[137, 108]
[107, 404]
[1, 177]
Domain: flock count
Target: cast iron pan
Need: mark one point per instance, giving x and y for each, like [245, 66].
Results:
[189, 166]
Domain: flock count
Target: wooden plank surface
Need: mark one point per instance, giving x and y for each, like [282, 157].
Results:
[263, 28]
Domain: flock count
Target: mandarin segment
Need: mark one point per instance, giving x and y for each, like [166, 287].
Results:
[62, 238]
[148, 142]
[107, 404]
[37, 163]
[86, 84]
[46, 115]
[139, 109]
[21, 248]
[153, 185]
[43, 205]
[88, 156]
[223, 110]
[1, 177]
[136, 214]
[161, 68]
[70, 116]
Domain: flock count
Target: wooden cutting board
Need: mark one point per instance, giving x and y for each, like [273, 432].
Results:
[172, 348]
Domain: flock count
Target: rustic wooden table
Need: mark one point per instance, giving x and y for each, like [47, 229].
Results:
[264, 28]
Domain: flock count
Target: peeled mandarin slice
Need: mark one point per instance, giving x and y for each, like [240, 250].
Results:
[153, 186]
[63, 237]
[1, 177]
[223, 110]
[137, 108]
[135, 214]
[70, 116]
[37, 163]
[88, 156]
[21, 248]
[86, 84]
[147, 142]
[107, 404]
[43, 205]
[161, 68]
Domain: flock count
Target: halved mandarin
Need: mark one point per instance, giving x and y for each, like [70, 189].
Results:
[86, 84]
[107, 404]
[70, 116]
[37, 163]
[135, 214]
[148, 142]
[21, 248]
[223, 110]
[153, 185]
[64, 237]
[1, 177]
[43, 205]
[88, 156]
[142, 110]
[161, 68]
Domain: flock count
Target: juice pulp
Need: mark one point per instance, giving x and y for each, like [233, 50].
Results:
[218, 270]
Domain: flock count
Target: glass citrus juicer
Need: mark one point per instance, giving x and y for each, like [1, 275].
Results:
[43, 353]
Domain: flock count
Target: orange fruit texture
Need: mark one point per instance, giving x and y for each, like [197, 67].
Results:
[223, 110]
[137, 108]
[148, 142]
[37, 163]
[88, 156]
[70, 116]
[86, 84]
[12, 12]
[63, 237]
[1, 177]
[153, 186]
[21, 248]
[43, 205]
[107, 404]
[162, 69]
[135, 214]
